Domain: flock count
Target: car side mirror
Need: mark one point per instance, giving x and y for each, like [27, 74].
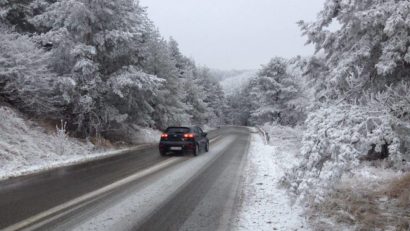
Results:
[204, 134]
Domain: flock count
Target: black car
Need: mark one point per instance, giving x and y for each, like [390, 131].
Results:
[183, 139]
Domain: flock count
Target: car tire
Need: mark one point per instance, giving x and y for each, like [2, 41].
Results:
[162, 153]
[196, 151]
[207, 147]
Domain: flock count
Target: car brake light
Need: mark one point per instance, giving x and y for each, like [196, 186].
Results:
[189, 135]
[164, 135]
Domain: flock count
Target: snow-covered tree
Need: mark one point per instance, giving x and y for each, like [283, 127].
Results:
[17, 14]
[369, 48]
[360, 76]
[238, 108]
[335, 142]
[274, 94]
[212, 96]
[278, 94]
[161, 61]
[100, 65]
[132, 94]
[94, 43]
[25, 79]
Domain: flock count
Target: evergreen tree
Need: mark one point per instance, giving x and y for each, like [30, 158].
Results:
[368, 51]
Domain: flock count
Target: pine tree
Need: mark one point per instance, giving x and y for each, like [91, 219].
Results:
[274, 93]
[369, 49]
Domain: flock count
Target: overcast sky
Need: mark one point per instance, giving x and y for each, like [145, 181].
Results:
[234, 34]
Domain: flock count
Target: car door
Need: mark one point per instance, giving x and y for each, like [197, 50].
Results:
[201, 137]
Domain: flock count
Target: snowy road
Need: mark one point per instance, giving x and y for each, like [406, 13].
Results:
[136, 191]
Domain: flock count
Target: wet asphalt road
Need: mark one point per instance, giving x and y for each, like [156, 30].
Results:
[210, 200]
[207, 202]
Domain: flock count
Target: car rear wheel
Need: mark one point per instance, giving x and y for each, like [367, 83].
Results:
[196, 151]
[162, 153]
[207, 147]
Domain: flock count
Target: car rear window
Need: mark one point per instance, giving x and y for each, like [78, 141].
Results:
[177, 130]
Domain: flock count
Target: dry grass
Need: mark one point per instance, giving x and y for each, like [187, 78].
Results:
[384, 206]
[101, 142]
[351, 207]
[400, 189]
[398, 210]
[50, 126]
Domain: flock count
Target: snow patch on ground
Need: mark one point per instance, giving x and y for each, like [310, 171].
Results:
[147, 135]
[372, 173]
[26, 148]
[265, 205]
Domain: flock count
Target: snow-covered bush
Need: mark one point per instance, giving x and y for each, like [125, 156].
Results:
[396, 100]
[61, 138]
[336, 139]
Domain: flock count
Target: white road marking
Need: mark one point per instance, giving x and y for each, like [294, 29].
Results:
[213, 139]
[89, 196]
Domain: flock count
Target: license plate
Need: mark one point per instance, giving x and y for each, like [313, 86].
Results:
[176, 148]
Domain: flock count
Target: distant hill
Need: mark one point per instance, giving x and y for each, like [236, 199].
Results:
[233, 80]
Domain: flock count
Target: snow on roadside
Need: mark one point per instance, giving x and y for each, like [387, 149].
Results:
[265, 206]
[146, 135]
[26, 148]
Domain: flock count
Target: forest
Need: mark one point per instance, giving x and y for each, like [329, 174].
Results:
[351, 99]
[104, 69]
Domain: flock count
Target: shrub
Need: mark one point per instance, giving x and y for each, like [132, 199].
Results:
[335, 140]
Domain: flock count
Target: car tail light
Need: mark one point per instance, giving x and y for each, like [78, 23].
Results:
[189, 136]
[164, 136]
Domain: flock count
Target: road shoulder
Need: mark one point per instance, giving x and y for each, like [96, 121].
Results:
[265, 206]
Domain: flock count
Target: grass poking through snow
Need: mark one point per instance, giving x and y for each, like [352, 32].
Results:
[366, 205]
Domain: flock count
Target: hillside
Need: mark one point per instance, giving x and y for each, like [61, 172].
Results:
[27, 147]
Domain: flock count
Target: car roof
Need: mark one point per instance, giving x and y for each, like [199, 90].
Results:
[179, 127]
[184, 127]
